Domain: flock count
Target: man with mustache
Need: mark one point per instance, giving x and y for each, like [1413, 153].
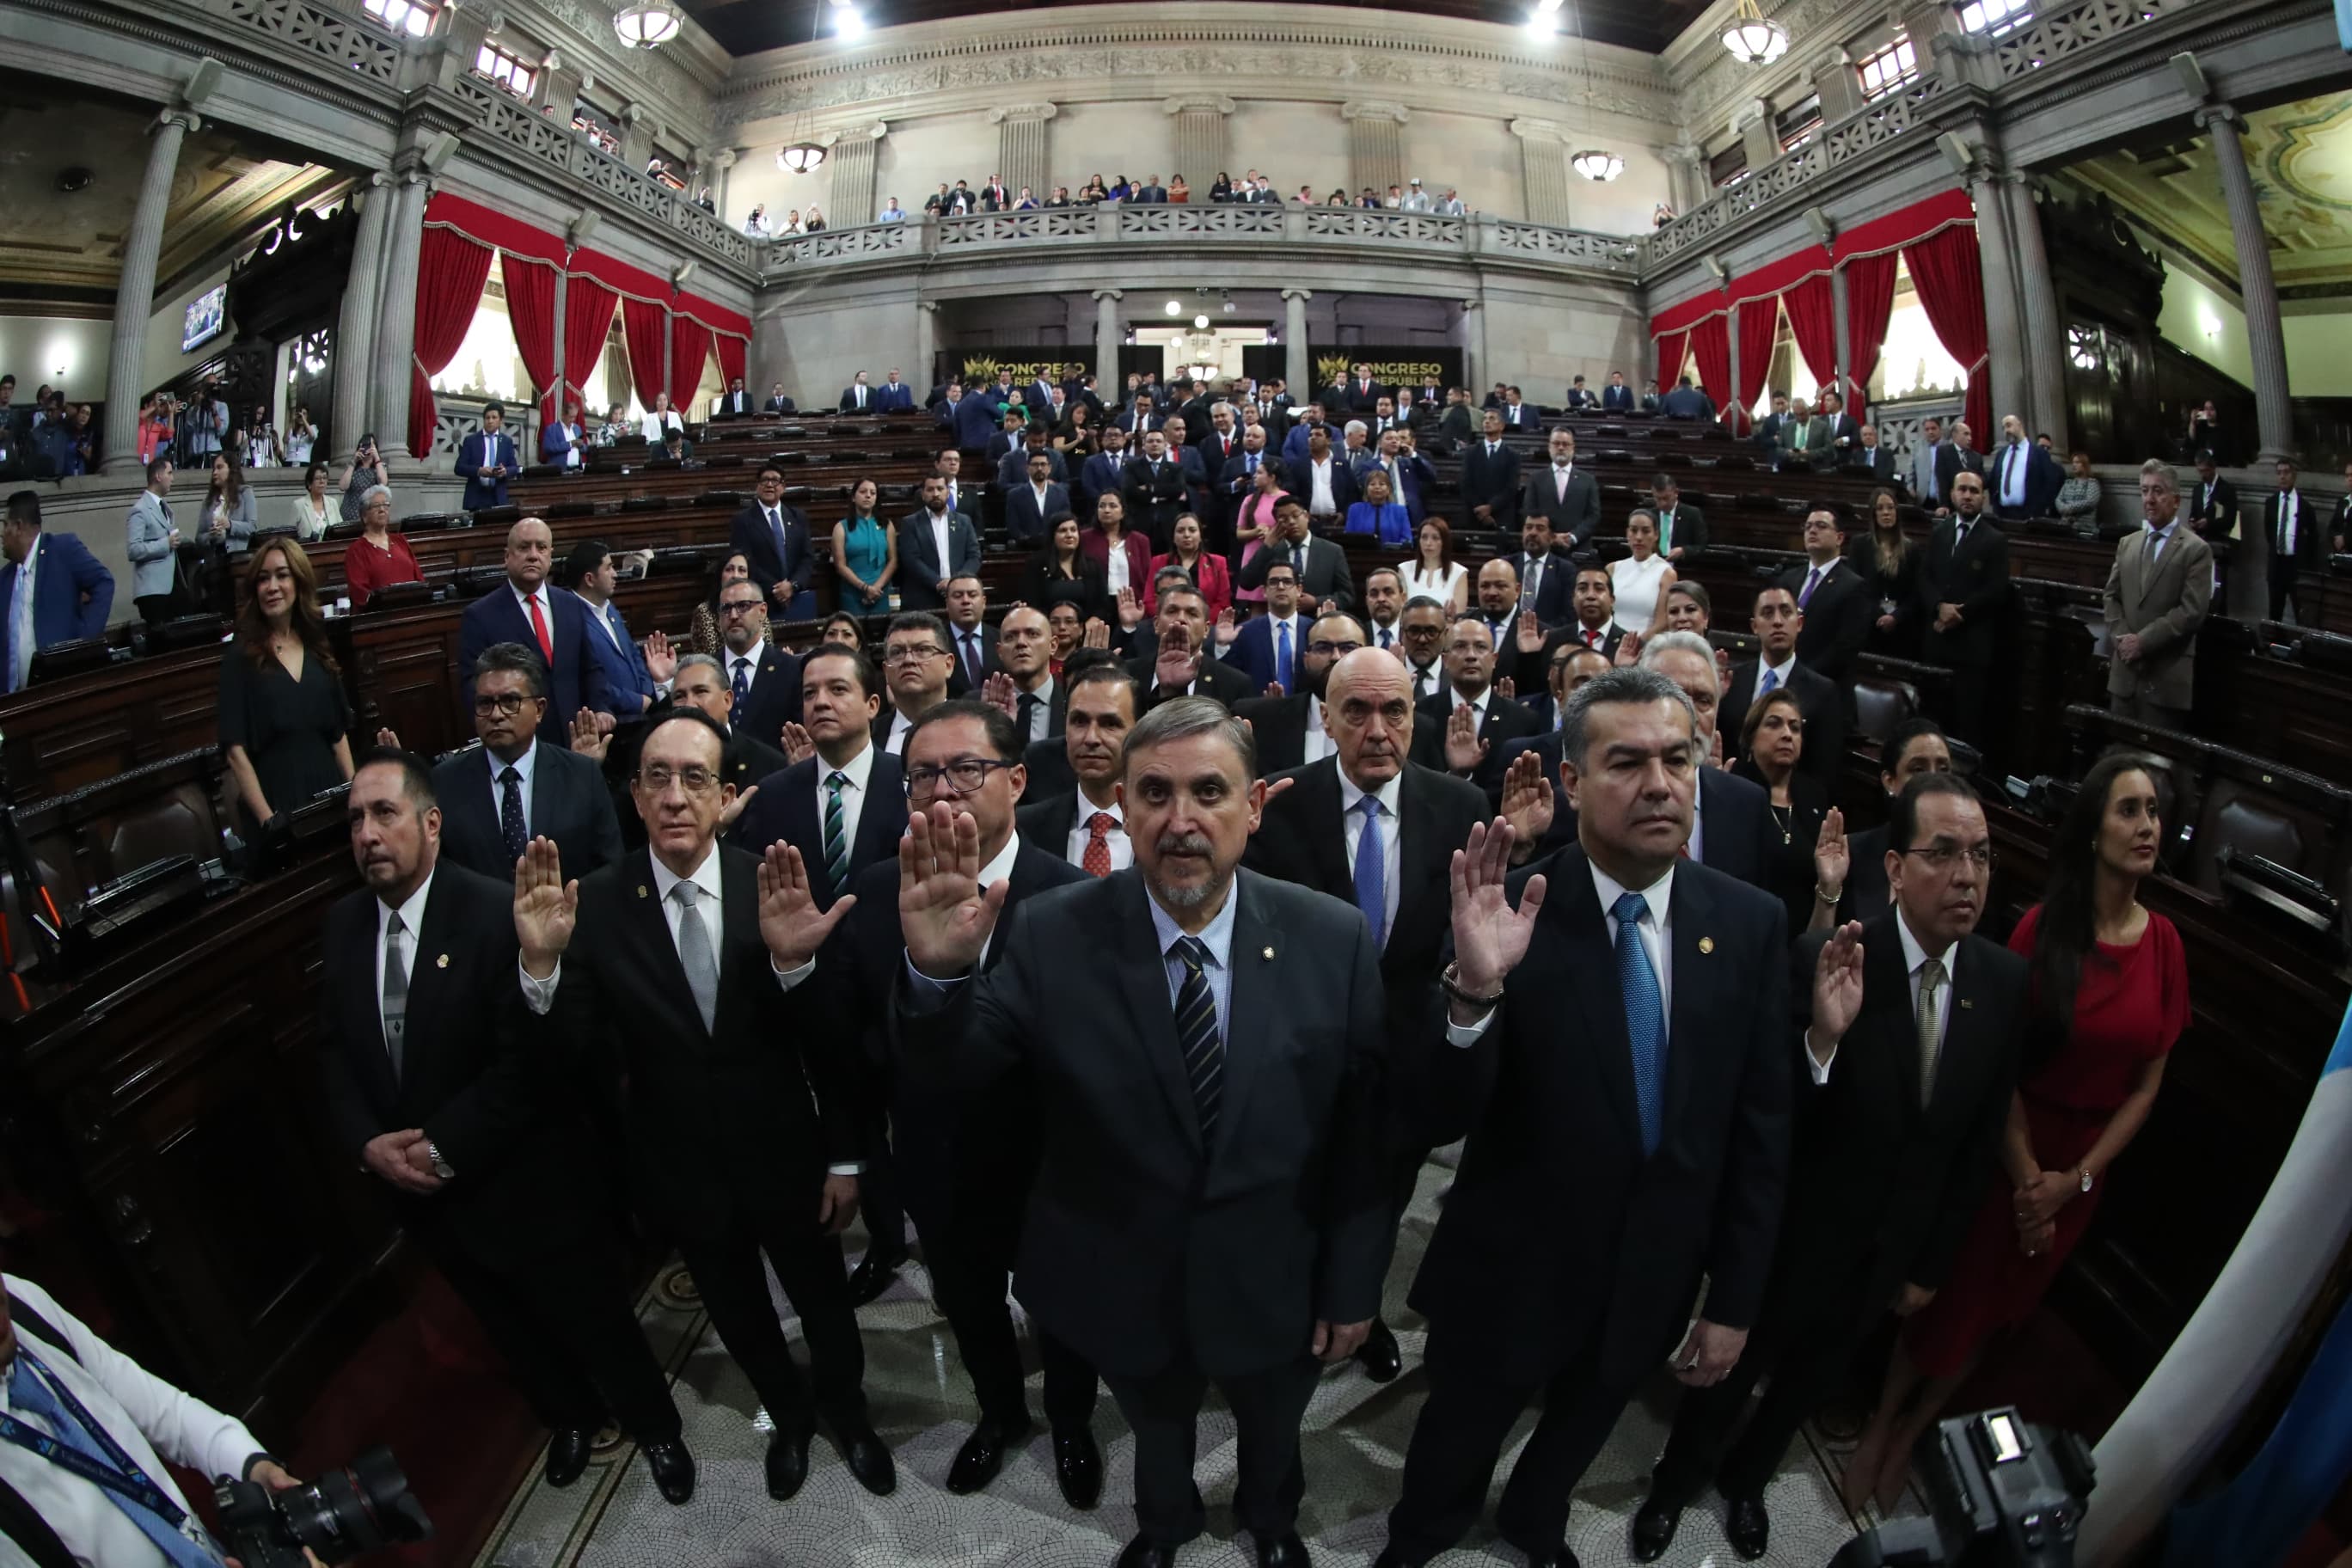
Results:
[1200, 1215]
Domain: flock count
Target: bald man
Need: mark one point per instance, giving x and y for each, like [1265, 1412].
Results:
[530, 610]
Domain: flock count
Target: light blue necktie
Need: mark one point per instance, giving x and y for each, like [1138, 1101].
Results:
[1764, 687]
[21, 635]
[2156, 538]
[1646, 1017]
[1371, 871]
[28, 1393]
[1282, 655]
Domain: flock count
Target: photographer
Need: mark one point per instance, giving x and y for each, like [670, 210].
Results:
[367, 471]
[204, 425]
[103, 1495]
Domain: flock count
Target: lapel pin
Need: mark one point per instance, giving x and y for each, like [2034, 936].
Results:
[1706, 945]
[641, 889]
[1269, 953]
[442, 962]
[1967, 1002]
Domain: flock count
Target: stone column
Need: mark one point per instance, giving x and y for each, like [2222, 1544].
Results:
[563, 292]
[395, 350]
[1762, 144]
[669, 325]
[1297, 369]
[1729, 402]
[1107, 336]
[1375, 144]
[1200, 138]
[134, 295]
[724, 160]
[1845, 339]
[1685, 175]
[1835, 80]
[2265, 340]
[1480, 369]
[2004, 336]
[927, 341]
[2045, 337]
[638, 132]
[1024, 150]
[1543, 170]
[355, 327]
[851, 156]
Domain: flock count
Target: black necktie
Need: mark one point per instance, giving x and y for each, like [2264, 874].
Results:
[972, 658]
[1028, 718]
[510, 813]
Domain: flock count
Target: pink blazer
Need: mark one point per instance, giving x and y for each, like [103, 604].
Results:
[1211, 577]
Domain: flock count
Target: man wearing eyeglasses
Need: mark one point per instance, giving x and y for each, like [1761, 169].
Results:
[537, 614]
[743, 1140]
[772, 534]
[763, 679]
[1778, 622]
[1910, 1027]
[1289, 729]
[916, 666]
[496, 800]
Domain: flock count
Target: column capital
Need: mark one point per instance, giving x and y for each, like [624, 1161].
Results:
[1023, 113]
[1298, 293]
[1110, 294]
[188, 120]
[930, 307]
[726, 157]
[2212, 114]
[1201, 102]
[1375, 109]
[1541, 130]
[1684, 154]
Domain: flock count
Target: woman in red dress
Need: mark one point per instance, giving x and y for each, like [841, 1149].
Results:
[2109, 996]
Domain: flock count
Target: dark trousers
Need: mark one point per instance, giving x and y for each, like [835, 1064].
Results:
[561, 1320]
[2282, 589]
[971, 1295]
[1971, 684]
[735, 1289]
[1805, 1359]
[1164, 1409]
[1460, 1435]
[878, 1203]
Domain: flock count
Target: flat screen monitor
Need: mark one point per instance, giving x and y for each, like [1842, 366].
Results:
[207, 318]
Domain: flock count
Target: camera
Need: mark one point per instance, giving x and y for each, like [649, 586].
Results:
[342, 1515]
[2003, 1494]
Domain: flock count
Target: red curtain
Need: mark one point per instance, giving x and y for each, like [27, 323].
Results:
[641, 326]
[450, 273]
[587, 322]
[731, 351]
[1710, 345]
[1949, 277]
[1813, 321]
[689, 351]
[1759, 327]
[1673, 347]
[531, 308]
[1869, 304]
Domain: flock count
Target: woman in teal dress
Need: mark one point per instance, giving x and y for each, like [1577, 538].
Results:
[864, 552]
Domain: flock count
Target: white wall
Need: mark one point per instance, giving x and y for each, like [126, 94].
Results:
[2198, 318]
[71, 354]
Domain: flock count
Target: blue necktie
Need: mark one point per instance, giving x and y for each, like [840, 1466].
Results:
[1646, 1017]
[28, 1392]
[1282, 654]
[1764, 687]
[1372, 871]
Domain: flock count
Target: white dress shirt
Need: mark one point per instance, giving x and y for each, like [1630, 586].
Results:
[940, 522]
[149, 1419]
[412, 920]
[751, 659]
[1477, 704]
[1781, 672]
[896, 743]
[1319, 503]
[1656, 935]
[1122, 852]
[2290, 522]
[2014, 464]
[1318, 739]
[1392, 833]
[854, 774]
[1914, 956]
[1041, 715]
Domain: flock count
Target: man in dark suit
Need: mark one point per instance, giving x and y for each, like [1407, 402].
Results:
[1569, 498]
[1843, 436]
[1105, 473]
[1302, 432]
[1324, 480]
[844, 807]
[734, 400]
[701, 683]
[1255, 1167]
[969, 638]
[1772, 431]
[494, 800]
[777, 402]
[919, 665]
[1953, 458]
[1475, 721]
[935, 545]
[67, 594]
[1913, 747]
[1290, 729]
[773, 536]
[1777, 623]
[857, 397]
[486, 460]
[634, 678]
[1964, 601]
[1687, 402]
[763, 679]
[1071, 807]
[429, 1088]
[1490, 482]
[1616, 397]
[2297, 533]
[1682, 526]
[1364, 393]
[1546, 573]
[1024, 652]
[894, 395]
[1269, 650]
[1580, 397]
[1365, 825]
[527, 609]
[1033, 506]
[1154, 490]
[743, 1142]
[2212, 502]
[1838, 607]
[1326, 582]
[1910, 1026]
[1180, 664]
[1645, 1117]
[2022, 478]
[1518, 413]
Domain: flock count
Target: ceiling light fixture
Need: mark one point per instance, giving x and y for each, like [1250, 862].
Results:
[1754, 39]
[1174, 309]
[1594, 163]
[1201, 323]
[646, 24]
[847, 23]
[799, 158]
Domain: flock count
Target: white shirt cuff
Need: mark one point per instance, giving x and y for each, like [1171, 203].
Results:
[846, 1168]
[936, 988]
[539, 994]
[1820, 1067]
[1464, 1036]
[788, 978]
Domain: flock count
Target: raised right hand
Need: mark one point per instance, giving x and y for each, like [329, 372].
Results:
[1177, 663]
[1096, 635]
[1489, 936]
[1465, 747]
[546, 907]
[943, 911]
[1837, 981]
[1831, 859]
[1531, 633]
[1526, 799]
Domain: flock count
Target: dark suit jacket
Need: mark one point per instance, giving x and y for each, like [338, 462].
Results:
[849, 399]
[1575, 517]
[1345, 491]
[1490, 481]
[774, 698]
[1838, 620]
[1214, 679]
[1555, 593]
[1881, 1191]
[786, 809]
[576, 681]
[2042, 478]
[1304, 840]
[1278, 725]
[1949, 461]
[919, 569]
[730, 1129]
[2312, 528]
[1866, 896]
[1326, 575]
[569, 803]
[1146, 1246]
[1822, 704]
[1506, 722]
[749, 531]
[1547, 1098]
[1153, 500]
[1689, 534]
[1519, 417]
[973, 419]
[2218, 512]
[731, 403]
[779, 405]
[1976, 578]
[1617, 399]
[482, 451]
[1025, 523]
[1364, 396]
[1873, 463]
[1100, 475]
[1733, 813]
[1044, 819]
[1253, 651]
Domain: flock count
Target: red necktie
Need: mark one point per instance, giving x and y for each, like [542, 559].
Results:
[539, 629]
[1095, 861]
[1592, 639]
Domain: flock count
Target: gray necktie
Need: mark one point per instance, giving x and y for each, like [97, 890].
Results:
[395, 994]
[1931, 1039]
[694, 951]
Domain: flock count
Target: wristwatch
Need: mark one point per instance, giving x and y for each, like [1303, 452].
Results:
[2086, 1177]
[441, 1167]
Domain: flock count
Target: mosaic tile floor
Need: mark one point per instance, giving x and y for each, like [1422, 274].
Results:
[1355, 1438]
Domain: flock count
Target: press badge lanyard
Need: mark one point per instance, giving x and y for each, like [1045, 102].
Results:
[125, 1480]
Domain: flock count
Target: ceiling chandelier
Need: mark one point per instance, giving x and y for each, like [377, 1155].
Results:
[646, 24]
[1594, 163]
[1754, 39]
[799, 158]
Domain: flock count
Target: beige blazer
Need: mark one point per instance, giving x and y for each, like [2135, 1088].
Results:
[2165, 604]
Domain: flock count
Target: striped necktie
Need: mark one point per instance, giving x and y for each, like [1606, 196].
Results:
[836, 836]
[395, 995]
[1196, 1032]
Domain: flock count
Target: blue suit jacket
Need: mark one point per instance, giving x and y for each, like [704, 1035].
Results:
[1252, 654]
[1102, 474]
[1344, 492]
[975, 421]
[2042, 478]
[479, 452]
[626, 679]
[1617, 399]
[72, 595]
[577, 680]
[887, 397]
[1293, 446]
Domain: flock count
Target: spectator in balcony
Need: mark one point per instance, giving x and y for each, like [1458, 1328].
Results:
[2079, 495]
[1661, 215]
[367, 471]
[864, 551]
[1149, 192]
[378, 557]
[891, 213]
[815, 223]
[301, 436]
[1024, 202]
[487, 459]
[156, 417]
[1222, 189]
[203, 423]
[1450, 204]
[1177, 191]
[993, 196]
[756, 226]
[1416, 200]
[285, 728]
[1368, 200]
[1262, 191]
[258, 442]
[1122, 190]
[313, 512]
[1094, 191]
[938, 204]
[1338, 198]
[2205, 432]
[661, 421]
[1061, 197]
[1395, 200]
[1306, 196]
[792, 229]
[229, 515]
[961, 201]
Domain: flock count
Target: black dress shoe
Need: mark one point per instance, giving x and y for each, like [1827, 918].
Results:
[1285, 1551]
[983, 1455]
[787, 1464]
[1379, 1354]
[567, 1455]
[867, 1458]
[1077, 1465]
[1749, 1526]
[1654, 1529]
[874, 1273]
[1143, 1554]
[672, 1469]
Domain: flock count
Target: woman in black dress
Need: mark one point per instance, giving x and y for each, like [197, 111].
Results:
[283, 720]
[1890, 563]
[1062, 573]
[1770, 740]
